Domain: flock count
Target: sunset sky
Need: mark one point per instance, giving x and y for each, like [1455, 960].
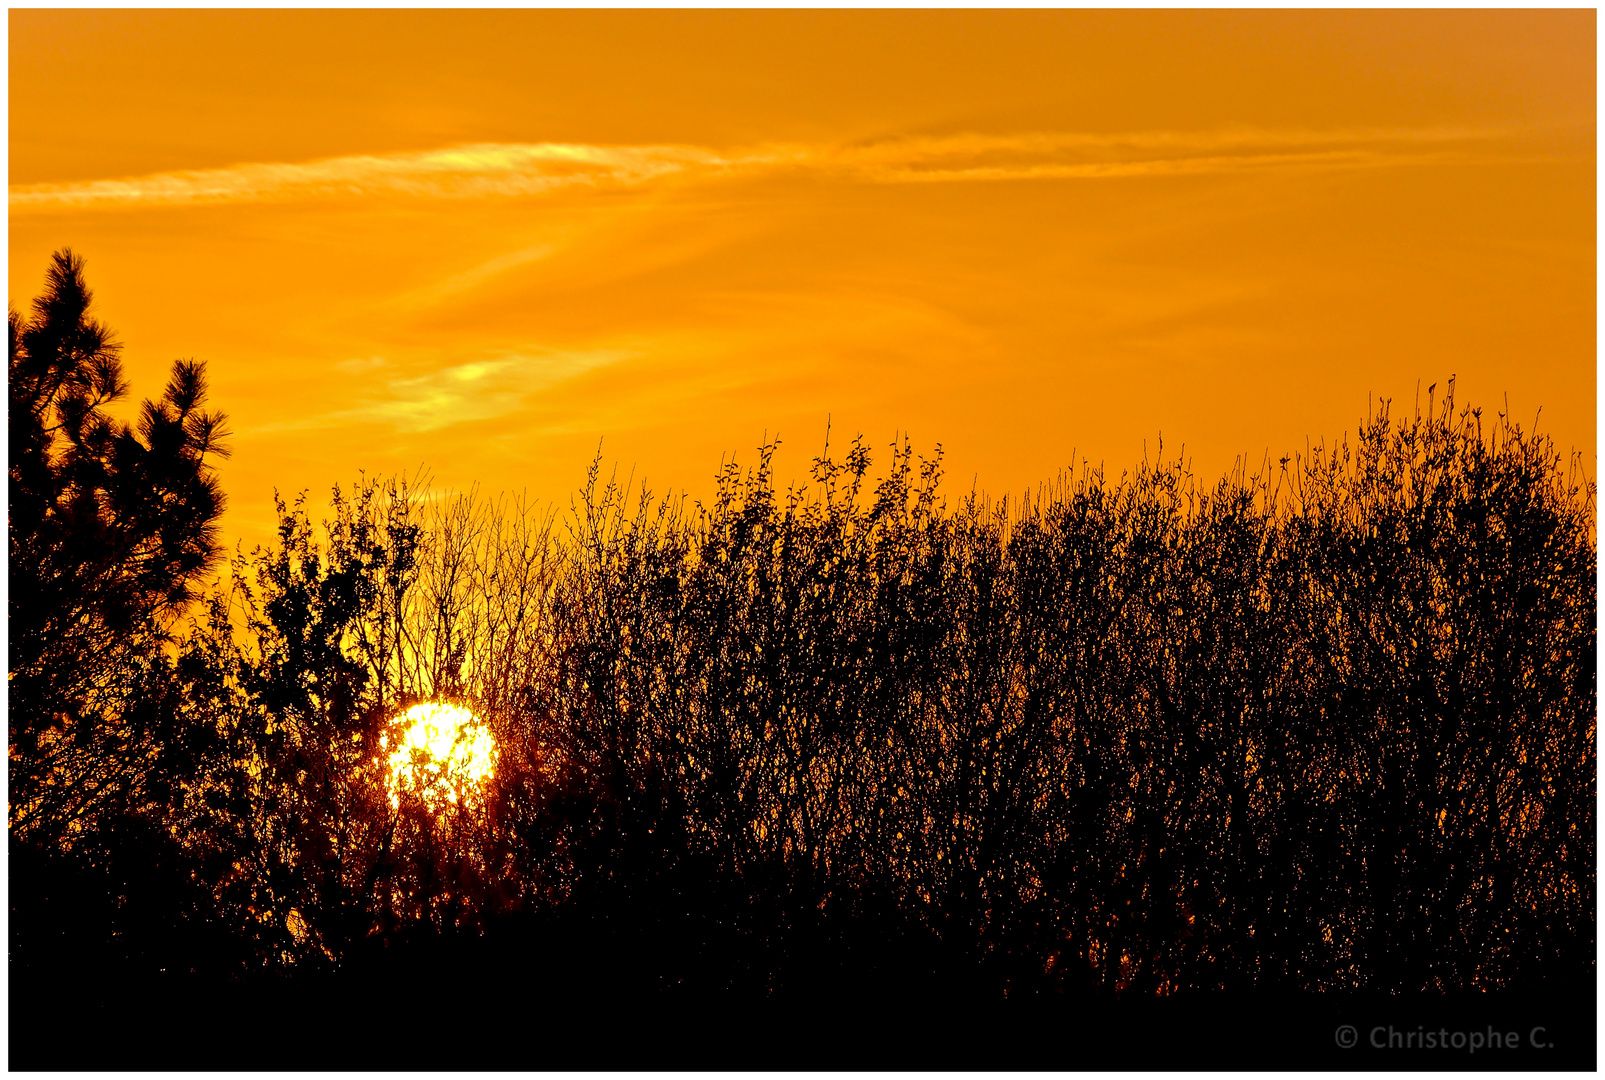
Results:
[485, 241]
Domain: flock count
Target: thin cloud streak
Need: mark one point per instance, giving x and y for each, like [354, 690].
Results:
[1197, 166]
[1245, 139]
[513, 170]
[460, 172]
[469, 280]
[475, 391]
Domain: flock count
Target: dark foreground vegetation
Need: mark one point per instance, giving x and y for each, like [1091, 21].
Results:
[1143, 771]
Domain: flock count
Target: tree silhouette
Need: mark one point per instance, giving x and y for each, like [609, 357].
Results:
[111, 526]
[1328, 727]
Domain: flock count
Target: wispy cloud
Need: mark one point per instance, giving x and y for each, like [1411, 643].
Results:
[1080, 155]
[460, 172]
[511, 170]
[478, 390]
[471, 279]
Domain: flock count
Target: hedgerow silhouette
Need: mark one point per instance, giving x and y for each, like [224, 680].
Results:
[1329, 726]
[1326, 726]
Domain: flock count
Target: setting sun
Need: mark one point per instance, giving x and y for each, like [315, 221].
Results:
[441, 753]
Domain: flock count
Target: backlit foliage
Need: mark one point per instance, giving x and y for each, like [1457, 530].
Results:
[1326, 726]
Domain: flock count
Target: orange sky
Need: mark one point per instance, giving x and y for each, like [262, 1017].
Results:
[484, 241]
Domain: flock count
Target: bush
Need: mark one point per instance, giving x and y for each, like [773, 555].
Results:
[1329, 726]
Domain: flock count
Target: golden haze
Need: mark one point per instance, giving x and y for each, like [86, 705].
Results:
[486, 240]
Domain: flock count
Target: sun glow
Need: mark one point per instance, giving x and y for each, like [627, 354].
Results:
[442, 754]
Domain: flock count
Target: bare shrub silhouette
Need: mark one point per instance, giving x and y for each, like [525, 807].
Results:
[1329, 726]
[1325, 727]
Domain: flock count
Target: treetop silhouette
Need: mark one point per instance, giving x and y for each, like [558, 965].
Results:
[112, 525]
